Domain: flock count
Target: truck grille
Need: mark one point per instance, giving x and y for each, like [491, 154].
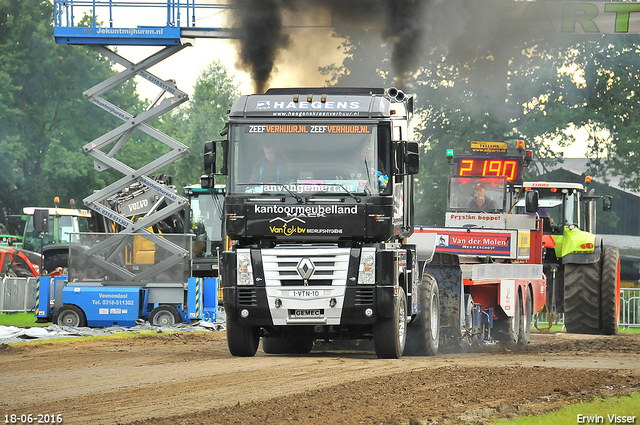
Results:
[329, 266]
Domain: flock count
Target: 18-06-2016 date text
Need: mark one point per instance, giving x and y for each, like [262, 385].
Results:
[32, 418]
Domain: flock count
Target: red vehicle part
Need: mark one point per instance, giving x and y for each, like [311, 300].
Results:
[19, 262]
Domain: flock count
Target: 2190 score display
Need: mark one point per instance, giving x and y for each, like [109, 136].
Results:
[510, 168]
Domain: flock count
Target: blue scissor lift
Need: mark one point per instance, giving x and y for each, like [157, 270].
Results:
[104, 287]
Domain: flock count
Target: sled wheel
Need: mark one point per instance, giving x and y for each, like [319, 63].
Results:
[526, 317]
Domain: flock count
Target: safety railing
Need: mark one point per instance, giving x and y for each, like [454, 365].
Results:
[630, 307]
[17, 294]
[171, 13]
[136, 22]
[629, 311]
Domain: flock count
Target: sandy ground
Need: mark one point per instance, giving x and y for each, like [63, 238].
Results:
[190, 378]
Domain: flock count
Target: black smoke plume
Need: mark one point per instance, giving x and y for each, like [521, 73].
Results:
[404, 30]
[263, 35]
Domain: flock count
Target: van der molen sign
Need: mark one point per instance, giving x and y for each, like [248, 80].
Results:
[571, 17]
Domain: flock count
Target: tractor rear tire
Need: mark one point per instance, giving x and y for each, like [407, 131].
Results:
[242, 340]
[390, 334]
[582, 298]
[610, 291]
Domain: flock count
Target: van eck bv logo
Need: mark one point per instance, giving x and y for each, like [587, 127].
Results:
[287, 230]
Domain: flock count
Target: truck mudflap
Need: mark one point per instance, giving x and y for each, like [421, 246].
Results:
[451, 288]
[385, 300]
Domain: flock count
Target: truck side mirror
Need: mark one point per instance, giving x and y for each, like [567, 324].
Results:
[531, 201]
[41, 221]
[607, 202]
[210, 157]
[225, 149]
[412, 158]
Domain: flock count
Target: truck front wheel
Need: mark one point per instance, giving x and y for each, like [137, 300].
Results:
[582, 298]
[423, 338]
[390, 334]
[610, 292]
[242, 339]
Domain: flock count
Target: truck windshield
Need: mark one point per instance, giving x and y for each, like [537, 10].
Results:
[562, 207]
[309, 159]
[481, 194]
[66, 225]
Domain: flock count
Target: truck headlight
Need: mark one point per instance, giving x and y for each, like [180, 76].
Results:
[367, 268]
[245, 271]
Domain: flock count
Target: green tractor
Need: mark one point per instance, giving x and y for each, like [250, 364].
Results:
[48, 231]
[583, 274]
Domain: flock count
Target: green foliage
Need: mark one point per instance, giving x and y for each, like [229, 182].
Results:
[202, 119]
[46, 120]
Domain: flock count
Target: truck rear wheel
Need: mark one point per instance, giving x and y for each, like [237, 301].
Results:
[70, 315]
[165, 315]
[582, 298]
[390, 334]
[610, 291]
[242, 340]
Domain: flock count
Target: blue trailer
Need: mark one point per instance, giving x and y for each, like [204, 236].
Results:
[89, 303]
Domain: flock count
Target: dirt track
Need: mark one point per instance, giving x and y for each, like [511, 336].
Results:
[191, 378]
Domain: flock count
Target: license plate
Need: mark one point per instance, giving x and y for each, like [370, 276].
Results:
[307, 313]
[312, 293]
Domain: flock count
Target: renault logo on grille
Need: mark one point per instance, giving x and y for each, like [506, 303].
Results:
[305, 268]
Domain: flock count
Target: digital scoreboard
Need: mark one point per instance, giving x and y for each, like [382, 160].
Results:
[510, 167]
